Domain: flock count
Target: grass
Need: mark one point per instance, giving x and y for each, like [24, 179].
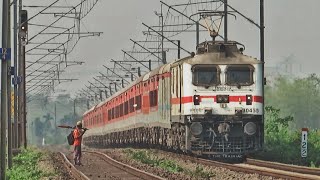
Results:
[146, 157]
[25, 166]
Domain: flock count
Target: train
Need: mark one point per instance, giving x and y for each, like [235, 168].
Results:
[210, 103]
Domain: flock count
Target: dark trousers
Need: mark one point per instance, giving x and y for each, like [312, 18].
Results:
[77, 155]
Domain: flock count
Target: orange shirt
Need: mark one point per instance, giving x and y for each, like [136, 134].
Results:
[77, 139]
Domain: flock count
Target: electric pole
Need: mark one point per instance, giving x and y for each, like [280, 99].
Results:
[18, 71]
[5, 56]
[55, 117]
[225, 21]
[22, 74]
[9, 131]
[15, 79]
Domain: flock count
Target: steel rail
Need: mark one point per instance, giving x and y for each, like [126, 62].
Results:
[129, 169]
[284, 167]
[75, 172]
[256, 170]
[273, 171]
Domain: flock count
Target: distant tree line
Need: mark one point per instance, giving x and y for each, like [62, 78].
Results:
[292, 103]
[298, 97]
[44, 112]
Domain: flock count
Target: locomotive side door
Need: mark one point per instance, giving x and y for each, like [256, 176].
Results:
[175, 94]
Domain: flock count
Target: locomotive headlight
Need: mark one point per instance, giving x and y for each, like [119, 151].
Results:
[250, 128]
[196, 128]
[222, 98]
[196, 99]
[249, 99]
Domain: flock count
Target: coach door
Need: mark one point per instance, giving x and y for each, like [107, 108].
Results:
[175, 93]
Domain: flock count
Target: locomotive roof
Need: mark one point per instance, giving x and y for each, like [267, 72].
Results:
[218, 52]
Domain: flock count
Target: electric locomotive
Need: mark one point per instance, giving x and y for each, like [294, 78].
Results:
[210, 103]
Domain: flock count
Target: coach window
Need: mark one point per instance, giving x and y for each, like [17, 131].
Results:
[126, 107]
[131, 103]
[155, 96]
[239, 75]
[109, 115]
[205, 75]
[138, 102]
[121, 110]
[118, 111]
[151, 98]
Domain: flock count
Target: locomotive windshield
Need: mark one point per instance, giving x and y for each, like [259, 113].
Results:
[205, 75]
[239, 75]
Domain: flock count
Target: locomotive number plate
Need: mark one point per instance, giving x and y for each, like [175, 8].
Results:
[223, 88]
[250, 110]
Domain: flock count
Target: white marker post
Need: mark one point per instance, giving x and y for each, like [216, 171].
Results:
[304, 142]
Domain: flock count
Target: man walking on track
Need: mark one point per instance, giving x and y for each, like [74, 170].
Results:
[77, 134]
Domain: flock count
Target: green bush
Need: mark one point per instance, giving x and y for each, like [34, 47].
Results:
[282, 143]
[25, 166]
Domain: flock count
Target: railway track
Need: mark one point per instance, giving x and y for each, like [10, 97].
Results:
[285, 167]
[74, 171]
[265, 168]
[96, 165]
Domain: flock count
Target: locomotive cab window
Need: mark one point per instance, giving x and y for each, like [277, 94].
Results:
[239, 75]
[205, 75]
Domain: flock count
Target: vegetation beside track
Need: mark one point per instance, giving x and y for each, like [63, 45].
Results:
[292, 104]
[26, 166]
[282, 143]
[151, 158]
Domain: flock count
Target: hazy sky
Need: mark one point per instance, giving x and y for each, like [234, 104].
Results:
[292, 28]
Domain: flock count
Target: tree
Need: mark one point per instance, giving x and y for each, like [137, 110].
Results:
[298, 97]
[69, 119]
[47, 122]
